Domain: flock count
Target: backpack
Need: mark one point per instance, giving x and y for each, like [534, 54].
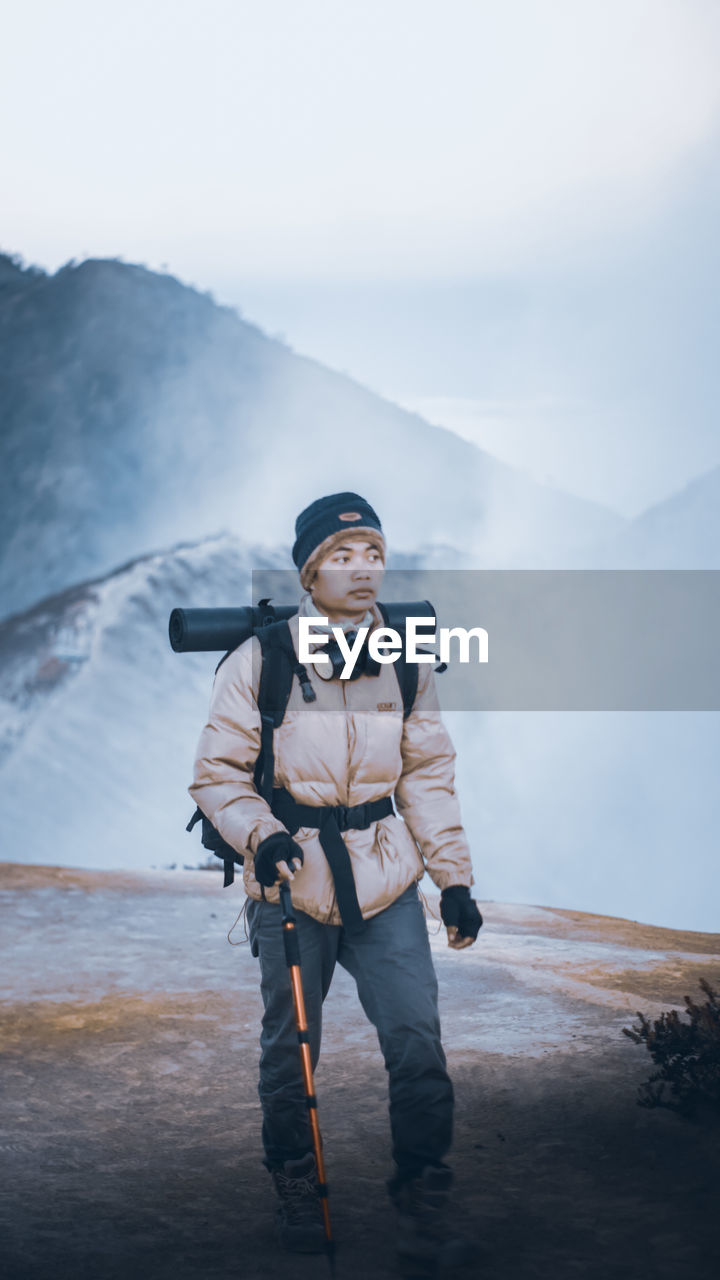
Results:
[279, 667]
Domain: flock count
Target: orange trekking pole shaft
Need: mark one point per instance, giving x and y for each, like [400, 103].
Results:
[292, 958]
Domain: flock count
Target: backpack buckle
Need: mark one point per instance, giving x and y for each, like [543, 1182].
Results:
[354, 816]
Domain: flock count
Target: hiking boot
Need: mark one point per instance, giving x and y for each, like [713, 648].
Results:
[425, 1243]
[299, 1218]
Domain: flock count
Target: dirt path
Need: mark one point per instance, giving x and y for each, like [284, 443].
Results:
[130, 1134]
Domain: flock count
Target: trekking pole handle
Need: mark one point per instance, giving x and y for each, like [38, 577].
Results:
[290, 938]
[286, 906]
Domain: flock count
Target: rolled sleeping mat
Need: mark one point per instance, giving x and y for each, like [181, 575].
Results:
[210, 630]
[216, 630]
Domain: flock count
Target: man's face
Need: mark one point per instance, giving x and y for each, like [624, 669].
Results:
[348, 580]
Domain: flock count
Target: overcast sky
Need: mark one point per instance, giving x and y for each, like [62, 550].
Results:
[338, 169]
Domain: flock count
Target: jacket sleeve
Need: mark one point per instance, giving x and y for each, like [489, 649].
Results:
[425, 794]
[229, 746]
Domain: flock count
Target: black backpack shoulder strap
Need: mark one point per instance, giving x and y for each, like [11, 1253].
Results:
[407, 676]
[223, 659]
[267, 616]
[279, 663]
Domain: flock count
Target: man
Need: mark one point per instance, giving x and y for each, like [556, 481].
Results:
[350, 746]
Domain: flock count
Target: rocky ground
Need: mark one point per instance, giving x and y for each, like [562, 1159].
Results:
[130, 1135]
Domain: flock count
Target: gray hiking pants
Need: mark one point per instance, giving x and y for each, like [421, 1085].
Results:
[392, 967]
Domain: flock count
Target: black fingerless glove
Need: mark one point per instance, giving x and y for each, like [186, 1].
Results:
[279, 847]
[459, 909]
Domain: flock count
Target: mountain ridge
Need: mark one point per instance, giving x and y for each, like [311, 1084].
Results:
[137, 412]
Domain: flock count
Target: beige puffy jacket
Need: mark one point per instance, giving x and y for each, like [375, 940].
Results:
[348, 747]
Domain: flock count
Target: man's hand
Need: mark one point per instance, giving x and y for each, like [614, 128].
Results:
[278, 857]
[460, 916]
[456, 940]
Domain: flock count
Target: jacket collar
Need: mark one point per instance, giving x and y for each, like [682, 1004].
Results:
[307, 609]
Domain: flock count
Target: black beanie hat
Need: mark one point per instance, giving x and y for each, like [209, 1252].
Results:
[338, 513]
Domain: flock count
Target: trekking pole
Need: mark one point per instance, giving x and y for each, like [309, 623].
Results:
[292, 958]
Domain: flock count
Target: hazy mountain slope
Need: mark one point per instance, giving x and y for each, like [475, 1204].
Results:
[99, 716]
[99, 720]
[136, 413]
[683, 532]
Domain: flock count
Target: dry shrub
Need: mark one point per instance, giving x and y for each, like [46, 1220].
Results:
[687, 1054]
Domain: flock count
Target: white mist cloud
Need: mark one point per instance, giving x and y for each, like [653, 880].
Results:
[306, 136]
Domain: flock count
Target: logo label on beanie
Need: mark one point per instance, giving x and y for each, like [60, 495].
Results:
[349, 515]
